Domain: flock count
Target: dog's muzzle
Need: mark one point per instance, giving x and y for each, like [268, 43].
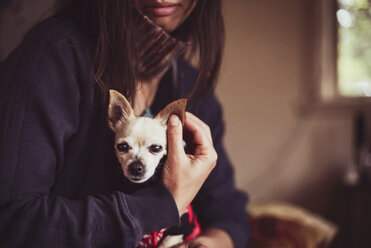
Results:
[136, 169]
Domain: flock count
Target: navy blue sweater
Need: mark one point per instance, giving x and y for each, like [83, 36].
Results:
[60, 182]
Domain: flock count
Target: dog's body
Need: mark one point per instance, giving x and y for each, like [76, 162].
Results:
[140, 145]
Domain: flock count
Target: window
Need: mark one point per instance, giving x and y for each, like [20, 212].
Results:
[343, 51]
[354, 47]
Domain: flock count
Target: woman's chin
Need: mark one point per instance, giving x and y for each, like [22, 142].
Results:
[165, 22]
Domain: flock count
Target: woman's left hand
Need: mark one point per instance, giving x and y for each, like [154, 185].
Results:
[210, 238]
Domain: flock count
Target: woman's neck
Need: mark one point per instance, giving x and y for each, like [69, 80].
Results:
[145, 94]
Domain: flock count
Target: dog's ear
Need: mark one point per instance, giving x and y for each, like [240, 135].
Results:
[175, 108]
[119, 110]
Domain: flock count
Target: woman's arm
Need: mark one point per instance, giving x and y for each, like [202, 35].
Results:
[40, 113]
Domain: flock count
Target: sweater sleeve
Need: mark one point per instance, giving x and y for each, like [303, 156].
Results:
[39, 113]
[219, 204]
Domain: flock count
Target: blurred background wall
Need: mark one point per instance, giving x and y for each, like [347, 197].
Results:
[282, 147]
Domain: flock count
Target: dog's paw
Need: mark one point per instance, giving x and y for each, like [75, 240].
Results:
[170, 241]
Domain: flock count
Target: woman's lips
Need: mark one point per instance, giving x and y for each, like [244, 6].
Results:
[157, 10]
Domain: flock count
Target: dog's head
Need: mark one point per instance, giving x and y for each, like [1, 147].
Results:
[140, 142]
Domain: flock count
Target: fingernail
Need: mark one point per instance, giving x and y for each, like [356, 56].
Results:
[174, 120]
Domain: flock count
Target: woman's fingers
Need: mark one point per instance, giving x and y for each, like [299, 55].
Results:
[199, 130]
[175, 138]
[202, 124]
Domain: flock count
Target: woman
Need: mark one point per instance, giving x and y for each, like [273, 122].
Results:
[59, 182]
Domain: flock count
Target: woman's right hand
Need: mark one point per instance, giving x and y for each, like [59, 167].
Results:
[183, 173]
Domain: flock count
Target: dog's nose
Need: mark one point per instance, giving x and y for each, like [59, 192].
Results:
[136, 168]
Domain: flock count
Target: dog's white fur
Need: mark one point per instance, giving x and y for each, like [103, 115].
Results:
[140, 134]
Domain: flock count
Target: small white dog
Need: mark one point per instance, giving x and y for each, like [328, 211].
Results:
[140, 142]
[140, 145]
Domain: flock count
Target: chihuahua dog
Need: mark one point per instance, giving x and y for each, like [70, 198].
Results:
[140, 142]
[140, 145]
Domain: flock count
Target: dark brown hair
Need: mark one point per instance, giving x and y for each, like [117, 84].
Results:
[112, 24]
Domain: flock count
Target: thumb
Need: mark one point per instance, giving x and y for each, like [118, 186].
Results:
[175, 137]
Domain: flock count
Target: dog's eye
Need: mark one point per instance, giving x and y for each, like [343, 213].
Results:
[123, 147]
[155, 148]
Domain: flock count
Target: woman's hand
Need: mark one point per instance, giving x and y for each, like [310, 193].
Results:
[211, 238]
[183, 173]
